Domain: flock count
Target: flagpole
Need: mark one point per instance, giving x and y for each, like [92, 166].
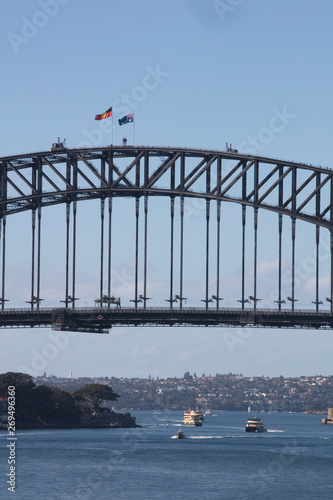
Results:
[112, 129]
[133, 132]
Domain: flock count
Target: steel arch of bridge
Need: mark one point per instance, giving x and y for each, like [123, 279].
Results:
[32, 186]
[66, 176]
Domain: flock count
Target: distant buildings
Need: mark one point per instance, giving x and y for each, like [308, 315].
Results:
[228, 392]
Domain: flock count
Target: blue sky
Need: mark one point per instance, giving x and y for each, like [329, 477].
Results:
[196, 74]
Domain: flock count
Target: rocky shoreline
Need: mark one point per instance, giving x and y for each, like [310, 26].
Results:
[100, 421]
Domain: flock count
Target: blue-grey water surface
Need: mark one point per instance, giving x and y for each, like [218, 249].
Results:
[293, 460]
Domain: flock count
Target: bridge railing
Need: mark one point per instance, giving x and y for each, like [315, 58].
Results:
[166, 310]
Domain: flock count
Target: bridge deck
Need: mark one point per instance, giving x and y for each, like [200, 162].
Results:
[102, 320]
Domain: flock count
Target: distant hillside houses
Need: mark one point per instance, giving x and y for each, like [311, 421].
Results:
[221, 392]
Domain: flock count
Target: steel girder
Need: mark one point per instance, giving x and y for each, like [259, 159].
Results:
[100, 321]
[298, 190]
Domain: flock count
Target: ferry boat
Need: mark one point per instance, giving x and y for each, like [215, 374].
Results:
[255, 424]
[198, 413]
[192, 418]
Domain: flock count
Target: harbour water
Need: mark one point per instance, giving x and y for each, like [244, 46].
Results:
[218, 461]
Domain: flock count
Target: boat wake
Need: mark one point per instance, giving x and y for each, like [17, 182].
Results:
[168, 420]
[213, 437]
[169, 424]
[244, 436]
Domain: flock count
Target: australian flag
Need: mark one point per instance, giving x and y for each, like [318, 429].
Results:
[126, 119]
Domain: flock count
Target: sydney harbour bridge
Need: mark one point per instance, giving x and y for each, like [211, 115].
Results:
[62, 176]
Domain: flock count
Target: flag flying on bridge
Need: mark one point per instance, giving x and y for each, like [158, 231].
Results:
[126, 119]
[104, 115]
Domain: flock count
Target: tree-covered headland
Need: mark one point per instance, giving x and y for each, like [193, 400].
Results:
[45, 405]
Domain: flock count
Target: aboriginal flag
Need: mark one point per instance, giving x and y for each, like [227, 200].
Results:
[104, 115]
[126, 119]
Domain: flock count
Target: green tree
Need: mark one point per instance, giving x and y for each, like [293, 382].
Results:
[55, 406]
[95, 395]
[25, 410]
[18, 380]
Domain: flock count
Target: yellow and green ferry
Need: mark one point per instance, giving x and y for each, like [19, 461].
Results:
[193, 417]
